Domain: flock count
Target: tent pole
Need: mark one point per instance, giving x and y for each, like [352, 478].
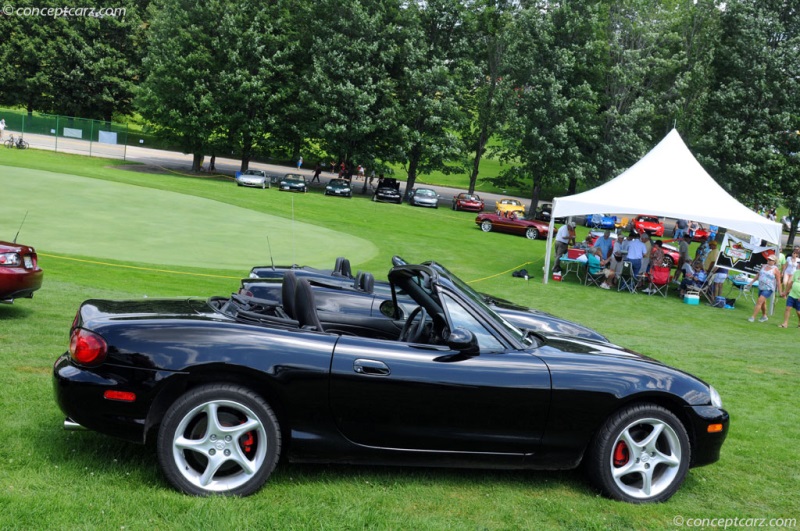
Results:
[549, 241]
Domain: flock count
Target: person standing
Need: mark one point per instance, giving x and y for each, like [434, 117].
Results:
[636, 251]
[790, 265]
[683, 256]
[317, 171]
[299, 162]
[2, 127]
[564, 238]
[769, 282]
[680, 229]
[605, 243]
[792, 294]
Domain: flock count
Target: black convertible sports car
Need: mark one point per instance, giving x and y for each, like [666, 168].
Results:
[227, 386]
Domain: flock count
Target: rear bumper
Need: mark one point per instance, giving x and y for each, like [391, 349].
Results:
[18, 282]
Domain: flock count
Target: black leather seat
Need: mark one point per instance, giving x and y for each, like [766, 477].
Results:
[305, 306]
[288, 289]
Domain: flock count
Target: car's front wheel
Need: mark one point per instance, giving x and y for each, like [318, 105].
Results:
[640, 455]
[531, 233]
[219, 439]
[486, 225]
[669, 262]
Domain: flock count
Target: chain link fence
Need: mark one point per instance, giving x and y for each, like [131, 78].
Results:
[76, 135]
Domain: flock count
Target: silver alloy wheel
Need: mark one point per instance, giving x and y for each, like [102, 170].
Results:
[211, 443]
[486, 226]
[651, 451]
[531, 233]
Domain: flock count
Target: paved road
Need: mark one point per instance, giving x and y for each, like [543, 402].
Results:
[182, 162]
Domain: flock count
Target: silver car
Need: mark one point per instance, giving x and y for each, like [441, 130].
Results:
[424, 197]
[254, 178]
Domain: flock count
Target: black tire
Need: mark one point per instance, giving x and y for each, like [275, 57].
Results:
[640, 455]
[531, 233]
[668, 262]
[486, 225]
[188, 446]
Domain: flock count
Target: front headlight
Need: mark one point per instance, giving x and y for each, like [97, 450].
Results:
[716, 400]
[329, 188]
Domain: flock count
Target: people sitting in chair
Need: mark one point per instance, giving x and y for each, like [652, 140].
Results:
[636, 251]
[692, 279]
[605, 243]
[597, 265]
[586, 244]
[657, 254]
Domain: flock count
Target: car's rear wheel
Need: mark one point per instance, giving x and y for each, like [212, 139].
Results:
[531, 233]
[219, 439]
[669, 262]
[486, 225]
[640, 455]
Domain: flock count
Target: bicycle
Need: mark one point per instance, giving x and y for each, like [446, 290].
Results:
[19, 143]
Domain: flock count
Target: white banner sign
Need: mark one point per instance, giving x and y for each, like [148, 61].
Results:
[107, 137]
[73, 133]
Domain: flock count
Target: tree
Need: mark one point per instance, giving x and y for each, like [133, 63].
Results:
[484, 99]
[349, 84]
[83, 66]
[179, 94]
[555, 70]
[431, 80]
[753, 105]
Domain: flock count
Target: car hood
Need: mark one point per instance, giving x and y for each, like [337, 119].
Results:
[541, 321]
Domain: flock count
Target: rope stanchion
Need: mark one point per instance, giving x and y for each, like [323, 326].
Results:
[138, 268]
[498, 274]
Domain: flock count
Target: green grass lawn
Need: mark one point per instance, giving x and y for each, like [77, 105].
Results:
[87, 221]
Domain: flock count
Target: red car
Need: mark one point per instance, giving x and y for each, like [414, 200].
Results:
[20, 274]
[471, 202]
[650, 224]
[513, 223]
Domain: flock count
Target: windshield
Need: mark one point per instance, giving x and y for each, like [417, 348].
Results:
[480, 300]
[339, 182]
[252, 172]
[426, 193]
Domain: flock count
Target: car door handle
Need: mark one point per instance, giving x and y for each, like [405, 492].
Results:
[371, 367]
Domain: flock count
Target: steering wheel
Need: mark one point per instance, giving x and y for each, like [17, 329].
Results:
[413, 336]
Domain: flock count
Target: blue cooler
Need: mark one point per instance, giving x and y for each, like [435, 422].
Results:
[691, 299]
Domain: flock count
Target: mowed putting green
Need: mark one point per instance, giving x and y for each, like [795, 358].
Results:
[82, 216]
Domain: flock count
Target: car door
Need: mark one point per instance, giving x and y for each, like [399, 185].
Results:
[407, 396]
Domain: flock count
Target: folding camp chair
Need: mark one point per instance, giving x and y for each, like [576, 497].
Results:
[659, 281]
[706, 289]
[626, 280]
[594, 279]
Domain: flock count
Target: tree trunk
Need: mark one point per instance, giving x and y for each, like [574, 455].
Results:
[480, 147]
[247, 151]
[197, 161]
[413, 163]
[537, 187]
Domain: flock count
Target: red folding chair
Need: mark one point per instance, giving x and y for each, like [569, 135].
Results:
[659, 280]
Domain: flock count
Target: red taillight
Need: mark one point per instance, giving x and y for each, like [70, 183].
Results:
[87, 348]
[121, 396]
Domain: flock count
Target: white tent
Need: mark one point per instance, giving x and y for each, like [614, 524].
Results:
[667, 182]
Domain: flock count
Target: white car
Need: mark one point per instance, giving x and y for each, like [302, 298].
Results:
[254, 178]
[787, 225]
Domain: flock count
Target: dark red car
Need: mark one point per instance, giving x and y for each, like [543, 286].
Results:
[652, 225]
[20, 274]
[471, 202]
[512, 223]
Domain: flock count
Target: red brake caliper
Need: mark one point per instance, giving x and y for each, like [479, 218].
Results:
[621, 454]
[247, 443]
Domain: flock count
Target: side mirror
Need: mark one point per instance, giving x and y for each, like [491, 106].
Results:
[464, 341]
[388, 309]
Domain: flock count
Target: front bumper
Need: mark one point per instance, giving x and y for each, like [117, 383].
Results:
[707, 445]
